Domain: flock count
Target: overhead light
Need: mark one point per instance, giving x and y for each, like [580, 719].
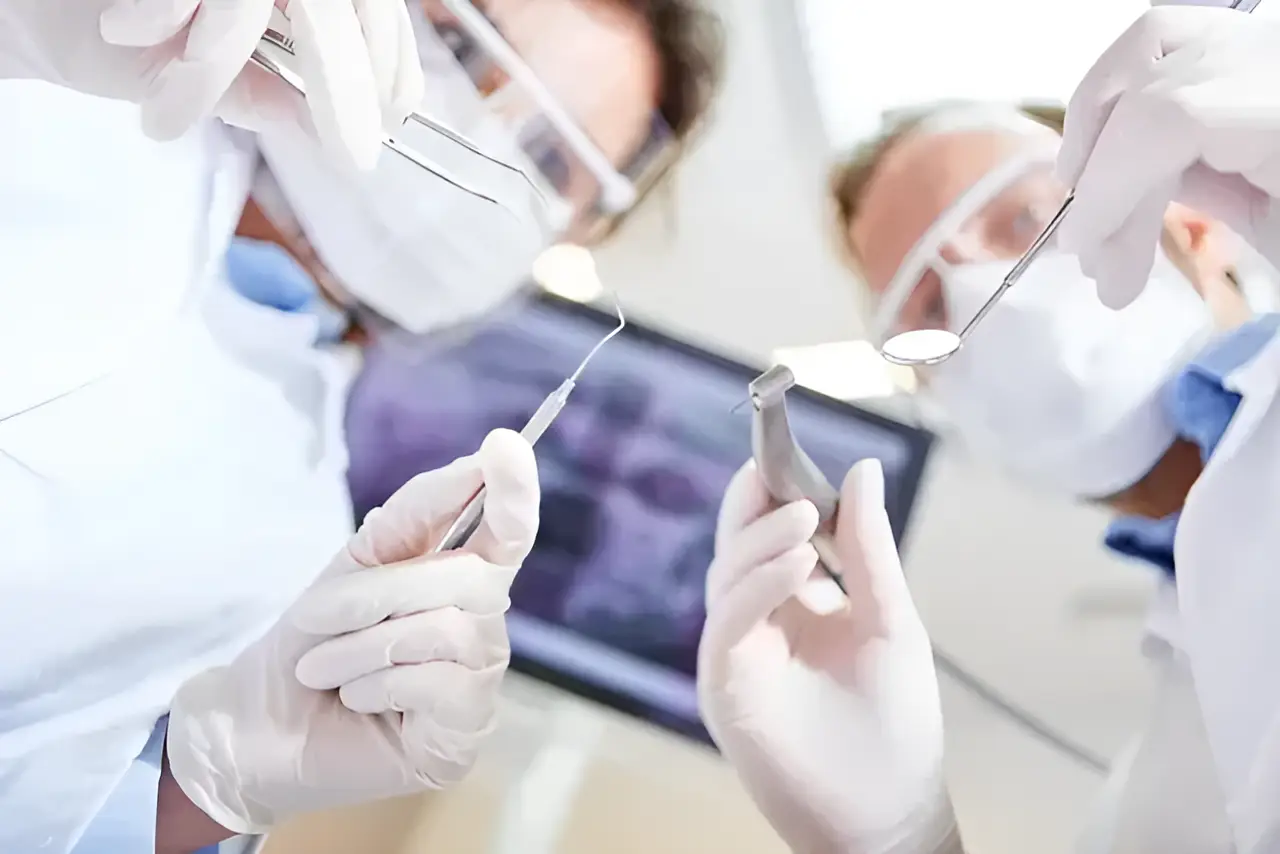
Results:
[846, 370]
[568, 271]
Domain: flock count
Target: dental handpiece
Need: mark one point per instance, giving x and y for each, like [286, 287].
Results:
[786, 470]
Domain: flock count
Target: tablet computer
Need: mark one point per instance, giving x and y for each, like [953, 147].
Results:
[609, 605]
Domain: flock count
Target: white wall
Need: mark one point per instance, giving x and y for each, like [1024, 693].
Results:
[740, 262]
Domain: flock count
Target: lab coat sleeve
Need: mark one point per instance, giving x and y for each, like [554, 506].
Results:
[127, 821]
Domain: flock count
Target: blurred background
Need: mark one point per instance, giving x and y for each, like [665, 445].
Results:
[732, 256]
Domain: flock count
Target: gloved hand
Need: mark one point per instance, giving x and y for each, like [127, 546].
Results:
[828, 709]
[1183, 106]
[382, 679]
[185, 60]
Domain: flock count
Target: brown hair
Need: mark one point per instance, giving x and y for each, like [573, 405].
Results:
[690, 46]
[689, 41]
[849, 179]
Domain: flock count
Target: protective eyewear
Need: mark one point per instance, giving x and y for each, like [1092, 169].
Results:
[1009, 214]
[558, 174]
[929, 346]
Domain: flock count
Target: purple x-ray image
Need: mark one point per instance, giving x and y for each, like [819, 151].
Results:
[632, 474]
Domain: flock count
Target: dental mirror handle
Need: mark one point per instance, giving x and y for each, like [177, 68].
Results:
[1020, 267]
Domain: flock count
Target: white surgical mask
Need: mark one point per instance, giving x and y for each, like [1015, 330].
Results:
[1061, 389]
[420, 252]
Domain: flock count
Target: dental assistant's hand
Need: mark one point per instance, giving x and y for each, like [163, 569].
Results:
[186, 60]
[1183, 106]
[382, 679]
[827, 708]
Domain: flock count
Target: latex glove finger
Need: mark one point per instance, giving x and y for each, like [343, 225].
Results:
[440, 757]
[397, 72]
[1122, 194]
[407, 525]
[222, 36]
[763, 540]
[745, 606]
[342, 91]
[864, 540]
[410, 87]
[259, 101]
[358, 600]
[452, 697]
[447, 635]
[1121, 263]
[1123, 67]
[512, 497]
[745, 500]
[145, 23]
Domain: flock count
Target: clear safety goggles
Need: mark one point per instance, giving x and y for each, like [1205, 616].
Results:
[550, 110]
[476, 77]
[996, 219]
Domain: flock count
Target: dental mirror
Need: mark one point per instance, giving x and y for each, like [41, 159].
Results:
[921, 347]
[931, 346]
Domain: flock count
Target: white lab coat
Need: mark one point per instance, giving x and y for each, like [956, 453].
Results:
[1163, 793]
[1204, 777]
[180, 478]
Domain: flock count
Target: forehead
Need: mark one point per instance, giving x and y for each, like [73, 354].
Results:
[596, 56]
[915, 181]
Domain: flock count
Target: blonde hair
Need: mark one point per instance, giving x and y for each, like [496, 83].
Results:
[850, 178]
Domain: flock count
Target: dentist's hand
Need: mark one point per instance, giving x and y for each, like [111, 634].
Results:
[382, 679]
[1183, 106]
[827, 708]
[186, 60]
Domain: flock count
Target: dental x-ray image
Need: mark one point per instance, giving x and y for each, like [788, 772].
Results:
[610, 602]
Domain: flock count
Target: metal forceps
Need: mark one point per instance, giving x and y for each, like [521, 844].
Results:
[931, 346]
[473, 511]
[274, 40]
[786, 470]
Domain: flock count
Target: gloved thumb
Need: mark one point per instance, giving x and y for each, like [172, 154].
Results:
[512, 498]
[872, 572]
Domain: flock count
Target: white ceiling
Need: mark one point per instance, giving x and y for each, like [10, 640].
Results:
[1012, 584]
[930, 50]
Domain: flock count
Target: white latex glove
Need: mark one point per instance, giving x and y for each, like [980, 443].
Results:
[382, 680]
[1183, 106]
[827, 708]
[185, 60]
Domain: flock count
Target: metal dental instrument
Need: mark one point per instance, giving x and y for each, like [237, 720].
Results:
[931, 346]
[275, 40]
[469, 519]
[787, 471]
